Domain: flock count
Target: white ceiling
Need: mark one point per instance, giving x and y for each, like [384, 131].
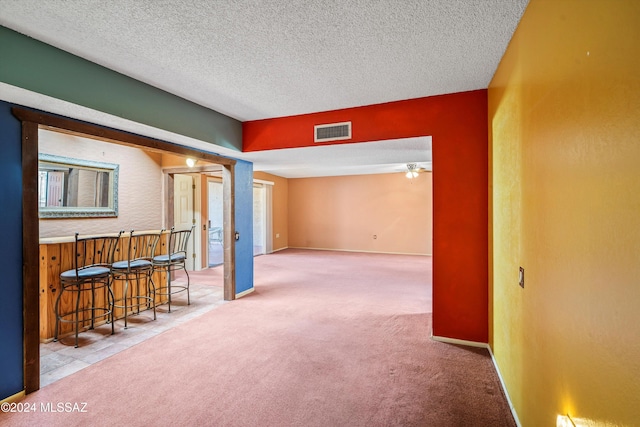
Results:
[271, 58]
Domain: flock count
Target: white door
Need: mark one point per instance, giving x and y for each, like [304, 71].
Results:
[55, 188]
[183, 213]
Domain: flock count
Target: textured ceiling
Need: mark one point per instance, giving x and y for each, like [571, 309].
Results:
[271, 58]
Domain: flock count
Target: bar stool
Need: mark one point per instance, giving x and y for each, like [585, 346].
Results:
[135, 267]
[91, 271]
[174, 259]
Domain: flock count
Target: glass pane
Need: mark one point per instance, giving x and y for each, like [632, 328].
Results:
[258, 220]
[216, 253]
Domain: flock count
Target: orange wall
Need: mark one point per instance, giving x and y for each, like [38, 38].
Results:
[457, 124]
[564, 114]
[346, 212]
[279, 209]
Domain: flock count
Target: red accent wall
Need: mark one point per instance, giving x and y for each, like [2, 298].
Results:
[458, 126]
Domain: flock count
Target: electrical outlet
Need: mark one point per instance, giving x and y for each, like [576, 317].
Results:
[277, 235]
[375, 236]
[521, 278]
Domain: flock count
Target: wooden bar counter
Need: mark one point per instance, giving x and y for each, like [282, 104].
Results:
[56, 256]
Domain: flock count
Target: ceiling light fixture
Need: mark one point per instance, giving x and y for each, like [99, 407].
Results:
[412, 170]
[191, 162]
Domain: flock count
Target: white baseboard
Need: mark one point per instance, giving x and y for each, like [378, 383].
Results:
[504, 388]
[460, 342]
[493, 360]
[244, 293]
[278, 250]
[358, 250]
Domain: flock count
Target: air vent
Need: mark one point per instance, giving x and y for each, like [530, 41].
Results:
[332, 132]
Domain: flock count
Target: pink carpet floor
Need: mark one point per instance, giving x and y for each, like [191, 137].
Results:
[326, 339]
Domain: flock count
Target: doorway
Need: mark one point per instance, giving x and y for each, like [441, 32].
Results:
[31, 123]
[262, 217]
[259, 219]
[215, 222]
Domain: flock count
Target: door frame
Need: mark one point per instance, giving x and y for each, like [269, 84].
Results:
[32, 121]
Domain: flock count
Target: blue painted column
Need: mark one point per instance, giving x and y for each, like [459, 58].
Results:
[244, 225]
[11, 326]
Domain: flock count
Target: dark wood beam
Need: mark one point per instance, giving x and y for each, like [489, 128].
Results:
[115, 136]
[30, 257]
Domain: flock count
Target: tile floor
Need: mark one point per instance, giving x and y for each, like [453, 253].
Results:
[59, 359]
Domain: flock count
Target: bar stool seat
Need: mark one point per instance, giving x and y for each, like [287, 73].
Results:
[160, 259]
[86, 273]
[135, 264]
[91, 272]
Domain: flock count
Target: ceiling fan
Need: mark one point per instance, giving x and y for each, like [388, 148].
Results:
[413, 170]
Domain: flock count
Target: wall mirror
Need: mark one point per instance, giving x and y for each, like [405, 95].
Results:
[72, 188]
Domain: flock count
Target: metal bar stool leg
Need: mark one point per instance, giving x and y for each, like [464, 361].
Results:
[77, 314]
[57, 310]
[92, 307]
[151, 292]
[169, 286]
[138, 292]
[188, 296]
[110, 304]
[125, 295]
